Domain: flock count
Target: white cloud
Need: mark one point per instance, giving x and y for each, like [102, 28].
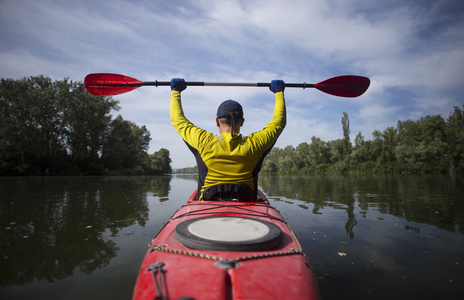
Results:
[413, 53]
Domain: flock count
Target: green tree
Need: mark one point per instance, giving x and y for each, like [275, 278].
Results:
[375, 149]
[287, 162]
[435, 154]
[30, 125]
[160, 162]
[337, 148]
[302, 156]
[409, 133]
[125, 146]
[388, 144]
[270, 162]
[85, 120]
[319, 152]
[455, 138]
[360, 151]
[347, 147]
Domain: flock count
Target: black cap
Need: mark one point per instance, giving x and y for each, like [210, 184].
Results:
[230, 105]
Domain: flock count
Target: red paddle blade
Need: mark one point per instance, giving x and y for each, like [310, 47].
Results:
[344, 86]
[108, 84]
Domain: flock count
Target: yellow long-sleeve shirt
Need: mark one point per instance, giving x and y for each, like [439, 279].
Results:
[223, 158]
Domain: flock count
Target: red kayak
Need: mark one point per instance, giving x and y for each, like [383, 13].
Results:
[226, 250]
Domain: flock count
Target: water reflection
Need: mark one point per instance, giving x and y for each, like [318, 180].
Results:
[51, 226]
[434, 200]
[56, 228]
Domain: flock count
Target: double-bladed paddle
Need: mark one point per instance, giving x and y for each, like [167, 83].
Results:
[108, 84]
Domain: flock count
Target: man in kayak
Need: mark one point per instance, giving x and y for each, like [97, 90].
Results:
[228, 163]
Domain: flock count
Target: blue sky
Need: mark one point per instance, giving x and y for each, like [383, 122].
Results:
[413, 52]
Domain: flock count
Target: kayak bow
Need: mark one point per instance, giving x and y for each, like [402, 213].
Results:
[226, 250]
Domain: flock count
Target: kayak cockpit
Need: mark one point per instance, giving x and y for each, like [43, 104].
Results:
[234, 196]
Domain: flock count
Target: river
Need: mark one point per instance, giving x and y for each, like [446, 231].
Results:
[367, 237]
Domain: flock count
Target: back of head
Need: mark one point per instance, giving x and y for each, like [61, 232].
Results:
[229, 113]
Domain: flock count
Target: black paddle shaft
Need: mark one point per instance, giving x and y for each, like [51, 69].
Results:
[200, 83]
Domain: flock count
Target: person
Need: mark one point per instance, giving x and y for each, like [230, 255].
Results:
[228, 163]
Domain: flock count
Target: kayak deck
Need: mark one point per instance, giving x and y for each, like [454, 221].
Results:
[208, 269]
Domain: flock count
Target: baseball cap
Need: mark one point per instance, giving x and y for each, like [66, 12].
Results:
[230, 105]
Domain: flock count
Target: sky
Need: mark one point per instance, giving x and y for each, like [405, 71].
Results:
[412, 51]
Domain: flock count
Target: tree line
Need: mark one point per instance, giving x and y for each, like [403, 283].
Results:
[432, 144]
[58, 128]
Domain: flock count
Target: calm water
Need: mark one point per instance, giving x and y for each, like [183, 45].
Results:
[381, 237]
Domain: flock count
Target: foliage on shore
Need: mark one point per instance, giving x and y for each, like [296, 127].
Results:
[431, 144]
[58, 128]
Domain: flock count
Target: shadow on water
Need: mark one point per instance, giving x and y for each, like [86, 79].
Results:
[51, 226]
